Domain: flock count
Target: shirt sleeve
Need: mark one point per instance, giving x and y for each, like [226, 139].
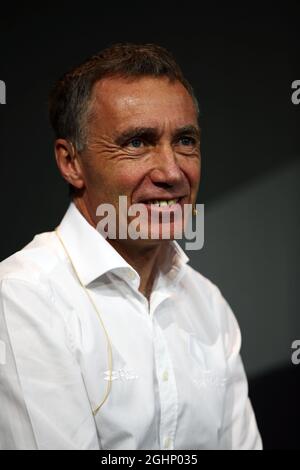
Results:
[239, 430]
[44, 404]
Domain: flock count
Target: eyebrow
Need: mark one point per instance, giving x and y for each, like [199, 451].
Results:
[151, 134]
[189, 130]
[147, 133]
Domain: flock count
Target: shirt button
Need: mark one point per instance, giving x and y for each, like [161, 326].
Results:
[131, 275]
[165, 376]
[172, 274]
[167, 443]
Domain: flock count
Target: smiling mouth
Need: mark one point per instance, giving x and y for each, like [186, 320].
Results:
[163, 203]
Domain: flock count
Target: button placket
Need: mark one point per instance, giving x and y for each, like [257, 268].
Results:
[168, 443]
[167, 388]
[165, 376]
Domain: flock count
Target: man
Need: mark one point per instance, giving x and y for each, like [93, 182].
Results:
[118, 343]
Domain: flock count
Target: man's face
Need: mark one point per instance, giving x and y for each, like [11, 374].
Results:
[143, 143]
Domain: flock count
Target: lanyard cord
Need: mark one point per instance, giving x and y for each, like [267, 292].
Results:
[109, 348]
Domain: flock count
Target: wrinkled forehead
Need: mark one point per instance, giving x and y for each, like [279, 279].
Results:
[146, 101]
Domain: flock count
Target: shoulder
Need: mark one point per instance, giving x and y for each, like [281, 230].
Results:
[201, 285]
[212, 306]
[34, 263]
[28, 293]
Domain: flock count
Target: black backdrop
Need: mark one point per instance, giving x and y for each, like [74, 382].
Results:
[241, 64]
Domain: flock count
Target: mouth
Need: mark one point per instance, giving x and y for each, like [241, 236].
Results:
[163, 204]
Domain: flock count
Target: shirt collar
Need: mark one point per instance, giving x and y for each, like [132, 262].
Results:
[92, 256]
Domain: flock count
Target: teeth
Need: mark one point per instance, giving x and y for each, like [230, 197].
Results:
[172, 201]
[163, 203]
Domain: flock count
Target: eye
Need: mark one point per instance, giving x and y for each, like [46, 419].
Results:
[186, 141]
[136, 143]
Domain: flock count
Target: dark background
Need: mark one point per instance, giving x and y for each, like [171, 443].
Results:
[241, 63]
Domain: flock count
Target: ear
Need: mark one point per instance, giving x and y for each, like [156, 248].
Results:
[68, 163]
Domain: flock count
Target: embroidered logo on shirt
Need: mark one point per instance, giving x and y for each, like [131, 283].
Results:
[2, 353]
[208, 379]
[205, 374]
[121, 374]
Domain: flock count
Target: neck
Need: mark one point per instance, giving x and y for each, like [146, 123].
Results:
[145, 259]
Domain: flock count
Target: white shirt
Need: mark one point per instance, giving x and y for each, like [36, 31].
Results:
[177, 377]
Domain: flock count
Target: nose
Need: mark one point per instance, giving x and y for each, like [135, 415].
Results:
[166, 171]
